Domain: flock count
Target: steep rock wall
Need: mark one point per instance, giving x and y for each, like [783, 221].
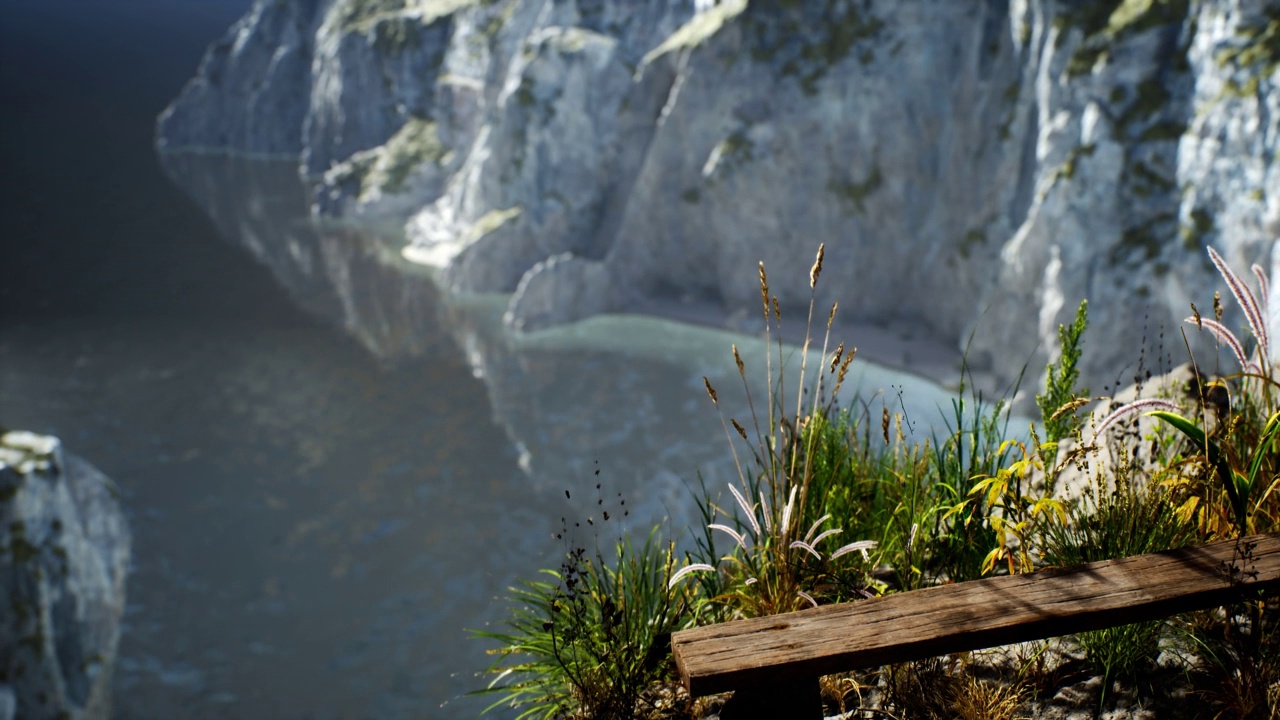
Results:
[973, 167]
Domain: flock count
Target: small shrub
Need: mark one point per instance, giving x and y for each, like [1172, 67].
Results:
[778, 523]
[1058, 403]
[593, 639]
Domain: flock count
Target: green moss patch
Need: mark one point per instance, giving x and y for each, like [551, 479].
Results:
[1258, 54]
[855, 193]
[1105, 22]
[363, 15]
[972, 240]
[698, 29]
[1068, 169]
[491, 221]
[1193, 235]
[415, 143]
[1145, 241]
[1145, 181]
[805, 40]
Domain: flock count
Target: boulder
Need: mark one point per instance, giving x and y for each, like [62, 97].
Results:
[64, 555]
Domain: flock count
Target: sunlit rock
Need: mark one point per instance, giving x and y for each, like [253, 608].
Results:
[975, 170]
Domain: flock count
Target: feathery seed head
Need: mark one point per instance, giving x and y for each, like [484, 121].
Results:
[746, 509]
[835, 359]
[737, 536]
[695, 567]
[1223, 335]
[1245, 299]
[1148, 404]
[768, 518]
[1264, 287]
[825, 534]
[832, 317]
[808, 537]
[816, 270]
[802, 545]
[786, 511]
[738, 427]
[742, 369]
[861, 545]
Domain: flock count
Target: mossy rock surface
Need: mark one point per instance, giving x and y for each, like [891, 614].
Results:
[417, 142]
[364, 15]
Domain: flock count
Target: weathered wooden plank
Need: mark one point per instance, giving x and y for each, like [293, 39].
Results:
[973, 615]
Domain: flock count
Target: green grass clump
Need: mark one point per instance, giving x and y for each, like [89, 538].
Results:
[592, 639]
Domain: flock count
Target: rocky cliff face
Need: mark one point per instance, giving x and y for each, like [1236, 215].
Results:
[973, 167]
[64, 554]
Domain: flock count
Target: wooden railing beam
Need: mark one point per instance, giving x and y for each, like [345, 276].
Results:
[805, 645]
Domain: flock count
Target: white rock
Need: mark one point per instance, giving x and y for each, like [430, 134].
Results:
[946, 154]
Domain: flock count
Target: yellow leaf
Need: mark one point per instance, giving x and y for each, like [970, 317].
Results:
[989, 563]
[1187, 510]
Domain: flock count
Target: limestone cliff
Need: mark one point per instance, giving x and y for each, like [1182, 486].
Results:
[64, 554]
[972, 165]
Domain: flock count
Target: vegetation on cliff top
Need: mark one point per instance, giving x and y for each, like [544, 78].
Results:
[834, 504]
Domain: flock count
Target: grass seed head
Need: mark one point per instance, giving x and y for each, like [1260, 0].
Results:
[816, 270]
[844, 366]
[710, 390]
[1069, 407]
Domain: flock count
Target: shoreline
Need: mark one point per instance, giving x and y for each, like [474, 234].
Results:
[904, 350]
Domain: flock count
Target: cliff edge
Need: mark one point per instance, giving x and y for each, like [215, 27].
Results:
[973, 167]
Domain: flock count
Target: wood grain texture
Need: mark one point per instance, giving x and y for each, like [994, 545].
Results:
[973, 615]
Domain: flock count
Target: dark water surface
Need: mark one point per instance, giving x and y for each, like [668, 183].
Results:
[295, 503]
[331, 468]
[315, 524]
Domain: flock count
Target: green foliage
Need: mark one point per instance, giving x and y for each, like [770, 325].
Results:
[1237, 476]
[976, 447]
[1117, 519]
[968, 501]
[590, 642]
[1013, 512]
[778, 561]
[1060, 392]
